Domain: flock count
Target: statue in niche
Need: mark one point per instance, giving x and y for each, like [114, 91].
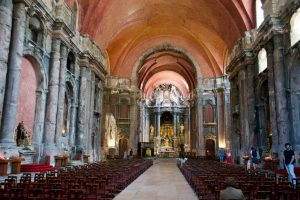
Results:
[111, 130]
[20, 133]
[27, 140]
[151, 132]
[181, 129]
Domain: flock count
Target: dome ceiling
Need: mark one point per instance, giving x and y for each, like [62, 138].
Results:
[126, 29]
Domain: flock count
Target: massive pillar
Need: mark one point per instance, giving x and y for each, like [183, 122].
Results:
[51, 108]
[282, 117]
[98, 134]
[134, 130]
[243, 105]
[13, 76]
[228, 127]
[175, 123]
[272, 106]
[250, 106]
[158, 115]
[221, 118]
[82, 103]
[39, 119]
[6, 8]
[61, 92]
[147, 125]
[200, 140]
[91, 114]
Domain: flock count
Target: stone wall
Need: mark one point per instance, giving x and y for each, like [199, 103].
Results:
[64, 112]
[264, 113]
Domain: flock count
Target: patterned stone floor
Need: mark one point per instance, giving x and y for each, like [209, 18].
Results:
[162, 181]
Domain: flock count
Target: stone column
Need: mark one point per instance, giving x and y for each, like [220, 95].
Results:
[200, 144]
[82, 104]
[134, 130]
[187, 128]
[158, 114]
[272, 106]
[6, 8]
[72, 124]
[142, 121]
[98, 141]
[282, 117]
[14, 71]
[61, 93]
[52, 101]
[243, 105]
[147, 126]
[39, 119]
[220, 117]
[175, 123]
[91, 115]
[250, 96]
[88, 109]
[228, 127]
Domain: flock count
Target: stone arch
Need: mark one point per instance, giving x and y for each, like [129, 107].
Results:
[263, 133]
[295, 27]
[40, 96]
[161, 48]
[210, 145]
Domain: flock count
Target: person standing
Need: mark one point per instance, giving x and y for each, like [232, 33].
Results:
[289, 161]
[221, 154]
[254, 157]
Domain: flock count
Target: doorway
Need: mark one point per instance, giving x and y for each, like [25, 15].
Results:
[210, 148]
[123, 147]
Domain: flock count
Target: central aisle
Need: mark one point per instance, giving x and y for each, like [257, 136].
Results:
[162, 181]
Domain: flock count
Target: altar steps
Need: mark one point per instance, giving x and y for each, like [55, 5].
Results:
[36, 168]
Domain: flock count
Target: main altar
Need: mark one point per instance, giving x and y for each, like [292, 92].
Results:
[166, 122]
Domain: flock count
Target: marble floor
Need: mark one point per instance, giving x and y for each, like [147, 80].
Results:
[162, 181]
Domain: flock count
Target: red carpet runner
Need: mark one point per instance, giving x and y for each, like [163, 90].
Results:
[36, 168]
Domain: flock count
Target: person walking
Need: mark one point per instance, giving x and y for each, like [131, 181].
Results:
[289, 161]
[254, 157]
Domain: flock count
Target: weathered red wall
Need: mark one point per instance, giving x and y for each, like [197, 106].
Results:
[26, 101]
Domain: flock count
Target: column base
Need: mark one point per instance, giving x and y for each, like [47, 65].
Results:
[48, 155]
[8, 150]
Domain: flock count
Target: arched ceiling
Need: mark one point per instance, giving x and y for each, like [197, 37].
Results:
[207, 29]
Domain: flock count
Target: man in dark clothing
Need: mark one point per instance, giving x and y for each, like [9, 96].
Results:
[289, 161]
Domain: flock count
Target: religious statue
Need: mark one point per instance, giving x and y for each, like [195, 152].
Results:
[111, 130]
[27, 140]
[151, 132]
[181, 129]
[20, 133]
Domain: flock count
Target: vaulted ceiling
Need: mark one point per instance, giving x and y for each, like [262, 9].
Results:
[204, 29]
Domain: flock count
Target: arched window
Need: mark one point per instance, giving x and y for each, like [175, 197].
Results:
[259, 13]
[295, 27]
[35, 33]
[262, 60]
[71, 63]
[209, 113]
[65, 117]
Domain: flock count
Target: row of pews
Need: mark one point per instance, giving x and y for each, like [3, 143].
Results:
[207, 178]
[91, 181]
